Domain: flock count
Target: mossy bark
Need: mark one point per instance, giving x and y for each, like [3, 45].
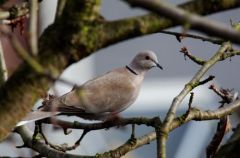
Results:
[79, 32]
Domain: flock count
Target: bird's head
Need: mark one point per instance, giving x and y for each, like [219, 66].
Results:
[145, 60]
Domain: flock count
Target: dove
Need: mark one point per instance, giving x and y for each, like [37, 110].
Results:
[102, 97]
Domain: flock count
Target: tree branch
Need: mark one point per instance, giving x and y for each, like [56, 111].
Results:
[75, 44]
[3, 67]
[195, 59]
[60, 7]
[42, 148]
[180, 36]
[198, 115]
[188, 19]
[33, 39]
[193, 114]
[129, 146]
[102, 125]
[188, 87]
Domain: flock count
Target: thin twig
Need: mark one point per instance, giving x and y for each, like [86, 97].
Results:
[194, 82]
[60, 7]
[210, 78]
[33, 42]
[180, 36]
[230, 54]
[195, 59]
[133, 132]
[3, 67]
[190, 100]
[189, 86]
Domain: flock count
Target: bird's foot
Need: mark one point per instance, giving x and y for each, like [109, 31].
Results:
[132, 140]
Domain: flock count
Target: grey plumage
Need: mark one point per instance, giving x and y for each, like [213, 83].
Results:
[104, 95]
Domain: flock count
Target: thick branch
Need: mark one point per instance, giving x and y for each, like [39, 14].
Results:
[129, 146]
[55, 55]
[193, 114]
[102, 125]
[188, 19]
[46, 151]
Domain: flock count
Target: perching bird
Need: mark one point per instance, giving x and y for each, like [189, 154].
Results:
[103, 96]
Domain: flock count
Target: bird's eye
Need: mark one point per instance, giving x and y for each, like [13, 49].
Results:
[147, 57]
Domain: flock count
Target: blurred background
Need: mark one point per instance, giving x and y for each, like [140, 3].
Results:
[158, 90]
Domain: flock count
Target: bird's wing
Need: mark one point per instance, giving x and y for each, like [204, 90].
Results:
[108, 93]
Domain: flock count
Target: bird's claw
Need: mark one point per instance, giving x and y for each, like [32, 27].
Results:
[132, 140]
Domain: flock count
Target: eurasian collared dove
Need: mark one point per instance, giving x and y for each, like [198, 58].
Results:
[103, 96]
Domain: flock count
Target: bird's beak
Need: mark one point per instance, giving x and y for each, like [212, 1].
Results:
[159, 66]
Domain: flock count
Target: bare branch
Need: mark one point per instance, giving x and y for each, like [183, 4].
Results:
[60, 7]
[3, 67]
[194, 114]
[190, 100]
[180, 36]
[42, 148]
[56, 56]
[210, 78]
[198, 115]
[33, 42]
[195, 59]
[195, 81]
[129, 146]
[158, 137]
[93, 126]
[102, 125]
[190, 20]
[45, 150]
[230, 54]
[188, 87]
[227, 95]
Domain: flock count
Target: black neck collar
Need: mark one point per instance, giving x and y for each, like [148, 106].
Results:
[131, 70]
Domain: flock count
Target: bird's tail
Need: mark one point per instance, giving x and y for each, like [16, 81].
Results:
[43, 112]
[35, 116]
